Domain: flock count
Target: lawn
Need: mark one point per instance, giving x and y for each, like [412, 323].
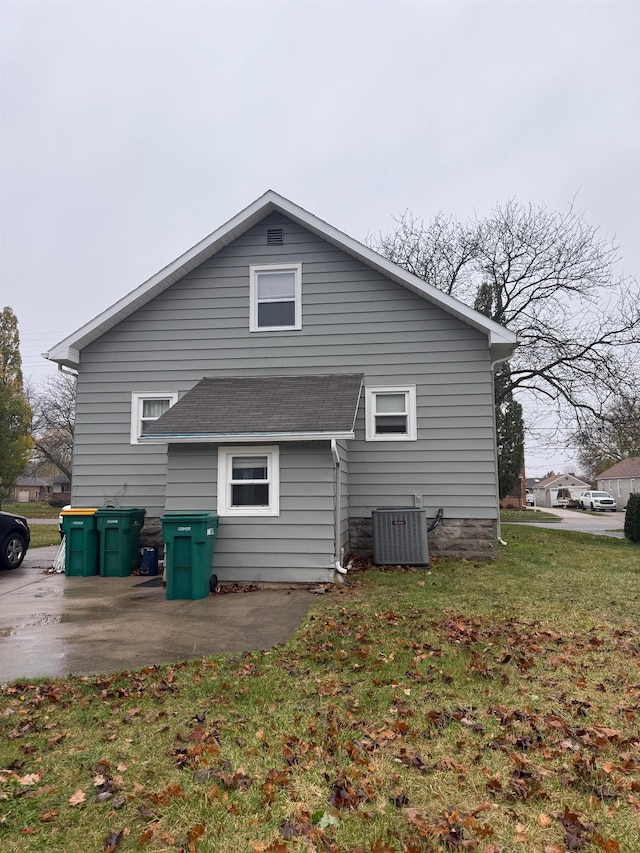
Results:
[491, 707]
[32, 510]
[43, 535]
[530, 516]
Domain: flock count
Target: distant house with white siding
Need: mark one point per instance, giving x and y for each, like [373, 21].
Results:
[292, 380]
[546, 491]
[621, 480]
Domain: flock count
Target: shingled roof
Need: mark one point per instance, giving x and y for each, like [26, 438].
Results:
[629, 467]
[261, 407]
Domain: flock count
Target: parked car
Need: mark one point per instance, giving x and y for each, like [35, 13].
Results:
[531, 501]
[14, 539]
[597, 500]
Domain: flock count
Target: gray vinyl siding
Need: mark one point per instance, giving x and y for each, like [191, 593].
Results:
[343, 485]
[354, 320]
[273, 549]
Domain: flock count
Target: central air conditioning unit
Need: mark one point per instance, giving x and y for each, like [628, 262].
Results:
[400, 536]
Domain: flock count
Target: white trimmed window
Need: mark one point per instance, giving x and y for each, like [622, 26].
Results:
[276, 297]
[248, 481]
[148, 407]
[391, 413]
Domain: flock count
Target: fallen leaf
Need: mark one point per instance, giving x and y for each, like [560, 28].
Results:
[45, 817]
[112, 842]
[30, 778]
[544, 819]
[77, 798]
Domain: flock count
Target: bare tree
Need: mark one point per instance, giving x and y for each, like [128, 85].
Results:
[54, 407]
[604, 440]
[552, 279]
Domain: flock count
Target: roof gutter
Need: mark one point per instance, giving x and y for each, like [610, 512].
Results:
[244, 438]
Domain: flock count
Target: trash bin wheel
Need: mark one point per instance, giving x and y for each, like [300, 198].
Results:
[213, 583]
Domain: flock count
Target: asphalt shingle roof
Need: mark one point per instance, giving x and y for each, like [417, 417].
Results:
[263, 405]
[629, 467]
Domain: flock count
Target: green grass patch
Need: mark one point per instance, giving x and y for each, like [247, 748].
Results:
[527, 515]
[32, 510]
[477, 706]
[43, 535]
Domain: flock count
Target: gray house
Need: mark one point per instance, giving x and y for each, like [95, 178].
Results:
[546, 491]
[292, 380]
[621, 480]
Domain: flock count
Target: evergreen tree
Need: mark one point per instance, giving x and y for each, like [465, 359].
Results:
[508, 412]
[15, 413]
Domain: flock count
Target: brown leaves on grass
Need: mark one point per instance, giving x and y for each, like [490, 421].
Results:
[454, 829]
[376, 687]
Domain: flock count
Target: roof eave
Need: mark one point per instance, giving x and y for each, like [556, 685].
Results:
[245, 438]
[500, 339]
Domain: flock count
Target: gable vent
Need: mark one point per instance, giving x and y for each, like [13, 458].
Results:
[275, 237]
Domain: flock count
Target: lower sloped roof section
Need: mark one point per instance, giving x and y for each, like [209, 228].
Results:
[254, 408]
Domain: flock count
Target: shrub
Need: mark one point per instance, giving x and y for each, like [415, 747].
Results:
[58, 502]
[632, 519]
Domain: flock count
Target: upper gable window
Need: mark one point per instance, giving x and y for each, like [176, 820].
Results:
[276, 297]
[391, 413]
[148, 407]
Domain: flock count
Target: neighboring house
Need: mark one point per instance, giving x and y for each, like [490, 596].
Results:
[38, 489]
[622, 480]
[292, 380]
[546, 491]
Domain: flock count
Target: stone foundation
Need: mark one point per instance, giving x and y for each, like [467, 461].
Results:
[151, 534]
[468, 538]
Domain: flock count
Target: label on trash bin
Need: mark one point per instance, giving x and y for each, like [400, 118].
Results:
[211, 531]
[184, 529]
[112, 520]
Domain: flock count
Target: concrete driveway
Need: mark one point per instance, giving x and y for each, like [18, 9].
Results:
[52, 625]
[600, 523]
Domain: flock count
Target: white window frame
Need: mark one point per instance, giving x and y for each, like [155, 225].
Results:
[254, 272]
[137, 400]
[410, 411]
[619, 488]
[225, 462]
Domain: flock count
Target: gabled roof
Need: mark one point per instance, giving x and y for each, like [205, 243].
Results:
[292, 408]
[560, 480]
[629, 467]
[67, 352]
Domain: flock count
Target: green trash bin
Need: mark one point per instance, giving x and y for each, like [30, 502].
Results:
[119, 539]
[80, 542]
[189, 539]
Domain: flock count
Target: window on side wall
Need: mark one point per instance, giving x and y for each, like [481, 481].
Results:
[391, 413]
[276, 297]
[148, 407]
[248, 481]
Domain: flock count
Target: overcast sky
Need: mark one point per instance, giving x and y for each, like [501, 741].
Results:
[131, 129]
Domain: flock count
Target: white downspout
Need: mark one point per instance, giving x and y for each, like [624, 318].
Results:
[495, 445]
[338, 550]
